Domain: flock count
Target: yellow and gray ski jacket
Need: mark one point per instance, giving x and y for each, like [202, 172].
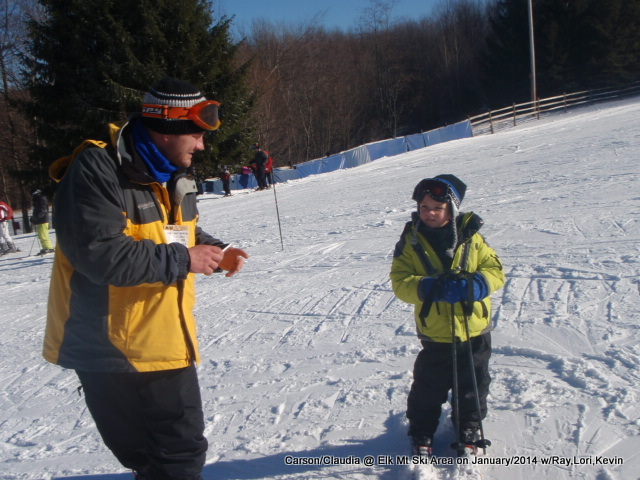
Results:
[121, 297]
[473, 254]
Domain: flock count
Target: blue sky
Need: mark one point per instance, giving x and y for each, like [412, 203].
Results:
[337, 13]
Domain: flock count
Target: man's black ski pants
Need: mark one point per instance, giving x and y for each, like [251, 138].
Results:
[151, 421]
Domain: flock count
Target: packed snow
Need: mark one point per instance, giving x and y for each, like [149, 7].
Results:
[308, 356]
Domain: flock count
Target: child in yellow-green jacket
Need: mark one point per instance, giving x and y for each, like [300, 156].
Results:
[446, 269]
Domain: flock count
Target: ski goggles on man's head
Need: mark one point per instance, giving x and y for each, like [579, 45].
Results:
[203, 114]
[437, 189]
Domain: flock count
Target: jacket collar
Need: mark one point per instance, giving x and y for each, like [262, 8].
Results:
[132, 164]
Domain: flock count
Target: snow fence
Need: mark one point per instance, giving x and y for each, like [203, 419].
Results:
[351, 158]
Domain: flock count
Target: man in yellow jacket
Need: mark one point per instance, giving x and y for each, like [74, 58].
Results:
[446, 269]
[122, 293]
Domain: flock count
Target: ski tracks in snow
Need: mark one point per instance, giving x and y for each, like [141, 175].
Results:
[343, 356]
[578, 321]
[308, 354]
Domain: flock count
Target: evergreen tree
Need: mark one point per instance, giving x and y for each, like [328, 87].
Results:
[609, 47]
[91, 61]
[579, 45]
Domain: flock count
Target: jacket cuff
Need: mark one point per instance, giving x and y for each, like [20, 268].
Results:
[481, 288]
[184, 261]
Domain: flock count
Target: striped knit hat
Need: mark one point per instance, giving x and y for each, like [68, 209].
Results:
[174, 93]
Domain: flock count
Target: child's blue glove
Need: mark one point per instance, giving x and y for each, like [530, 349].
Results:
[425, 288]
[456, 290]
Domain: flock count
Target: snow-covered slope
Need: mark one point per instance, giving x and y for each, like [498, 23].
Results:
[307, 352]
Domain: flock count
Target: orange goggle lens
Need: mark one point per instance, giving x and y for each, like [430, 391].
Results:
[203, 114]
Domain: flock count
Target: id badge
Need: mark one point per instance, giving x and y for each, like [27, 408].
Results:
[177, 234]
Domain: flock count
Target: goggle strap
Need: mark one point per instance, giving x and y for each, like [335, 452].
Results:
[166, 112]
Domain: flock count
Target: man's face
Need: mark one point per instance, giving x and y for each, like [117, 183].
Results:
[179, 149]
[433, 213]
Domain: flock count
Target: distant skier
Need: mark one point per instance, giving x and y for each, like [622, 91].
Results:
[441, 265]
[6, 242]
[269, 170]
[225, 176]
[40, 218]
[260, 160]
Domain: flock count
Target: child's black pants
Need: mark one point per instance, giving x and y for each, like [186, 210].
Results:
[433, 378]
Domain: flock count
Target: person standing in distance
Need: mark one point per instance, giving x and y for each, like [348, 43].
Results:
[226, 181]
[6, 242]
[260, 160]
[40, 218]
[122, 291]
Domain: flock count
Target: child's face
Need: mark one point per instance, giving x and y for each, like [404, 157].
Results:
[433, 213]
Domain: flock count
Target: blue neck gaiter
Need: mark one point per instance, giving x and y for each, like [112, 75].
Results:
[159, 167]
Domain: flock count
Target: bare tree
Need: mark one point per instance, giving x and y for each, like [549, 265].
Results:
[305, 79]
[15, 143]
[461, 27]
[387, 71]
[326, 91]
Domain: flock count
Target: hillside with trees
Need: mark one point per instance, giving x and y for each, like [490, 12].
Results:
[303, 91]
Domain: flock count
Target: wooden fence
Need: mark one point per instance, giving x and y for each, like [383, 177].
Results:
[496, 120]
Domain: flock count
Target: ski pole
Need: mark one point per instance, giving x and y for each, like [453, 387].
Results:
[278, 214]
[483, 442]
[32, 244]
[39, 242]
[454, 394]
